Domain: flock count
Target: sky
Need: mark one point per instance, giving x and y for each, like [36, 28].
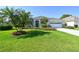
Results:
[50, 11]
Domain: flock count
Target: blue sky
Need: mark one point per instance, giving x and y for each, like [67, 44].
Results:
[50, 11]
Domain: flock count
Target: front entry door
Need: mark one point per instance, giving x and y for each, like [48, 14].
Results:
[37, 24]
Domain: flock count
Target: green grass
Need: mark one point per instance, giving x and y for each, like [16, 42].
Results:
[38, 40]
[76, 28]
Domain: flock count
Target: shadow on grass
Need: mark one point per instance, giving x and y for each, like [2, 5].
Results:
[33, 33]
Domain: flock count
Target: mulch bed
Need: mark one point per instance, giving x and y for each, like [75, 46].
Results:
[18, 33]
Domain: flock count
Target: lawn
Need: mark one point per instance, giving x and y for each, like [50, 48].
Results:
[38, 41]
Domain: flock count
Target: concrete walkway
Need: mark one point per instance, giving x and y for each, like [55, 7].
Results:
[70, 31]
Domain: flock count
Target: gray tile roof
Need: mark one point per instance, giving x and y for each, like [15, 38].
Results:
[71, 18]
[54, 20]
[50, 20]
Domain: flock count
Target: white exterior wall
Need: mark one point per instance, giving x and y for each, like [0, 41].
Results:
[77, 24]
[70, 23]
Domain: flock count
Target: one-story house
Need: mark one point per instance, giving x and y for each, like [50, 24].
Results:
[52, 22]
[71, 21]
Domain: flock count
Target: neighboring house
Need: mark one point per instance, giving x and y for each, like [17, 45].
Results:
[71, 21]
[52, 22]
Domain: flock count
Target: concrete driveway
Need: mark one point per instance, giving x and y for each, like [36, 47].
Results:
[70, 31]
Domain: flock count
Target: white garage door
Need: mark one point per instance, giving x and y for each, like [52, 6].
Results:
[56, 25]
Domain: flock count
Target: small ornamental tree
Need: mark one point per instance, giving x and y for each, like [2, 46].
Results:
[43, 20]
[18, 17]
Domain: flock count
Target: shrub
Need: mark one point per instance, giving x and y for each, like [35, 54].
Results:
[49, 28]
[64, 25]
[75, 26]
[7, 27]
[44, 25]
[70, 27]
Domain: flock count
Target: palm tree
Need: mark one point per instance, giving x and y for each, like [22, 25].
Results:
[1, 20]
[18, 17]
[24, 19]
[6, 12]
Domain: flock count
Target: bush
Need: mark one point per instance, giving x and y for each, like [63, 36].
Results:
[64, 25]
[44, 25]
[70, 27]
[75, 26]
[49, 28]
[7, 27]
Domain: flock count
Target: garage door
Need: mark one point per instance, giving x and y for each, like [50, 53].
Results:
[56, 25]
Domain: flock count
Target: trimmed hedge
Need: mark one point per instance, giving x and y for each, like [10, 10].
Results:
[70, 27]
[7, 27]
[75, 26]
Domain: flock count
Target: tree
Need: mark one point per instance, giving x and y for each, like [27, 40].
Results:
[43, 20]
[23, 19]
[1, 20]
[65, 15]
[18, 17]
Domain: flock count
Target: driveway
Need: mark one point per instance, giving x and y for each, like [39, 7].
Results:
[70, 31]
